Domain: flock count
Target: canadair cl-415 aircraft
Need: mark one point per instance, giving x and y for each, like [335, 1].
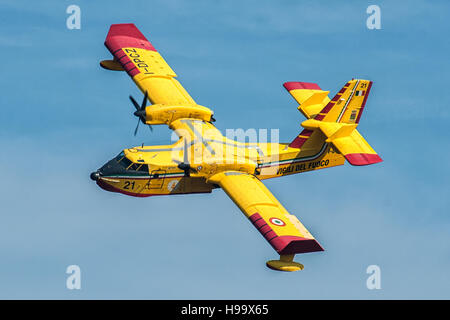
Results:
[203, 159]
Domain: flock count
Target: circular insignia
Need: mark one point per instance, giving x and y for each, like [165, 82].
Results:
[172, 184]
[277, 222]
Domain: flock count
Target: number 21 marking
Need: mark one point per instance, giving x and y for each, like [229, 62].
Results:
[127, 185]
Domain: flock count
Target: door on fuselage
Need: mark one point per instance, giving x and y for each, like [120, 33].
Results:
[156, 179]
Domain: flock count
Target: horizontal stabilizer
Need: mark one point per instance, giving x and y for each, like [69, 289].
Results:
[311, 98]
[362, 159]
[347, 140]
[356, 150]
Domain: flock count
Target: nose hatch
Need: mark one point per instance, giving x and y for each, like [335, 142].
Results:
[95, 176]
[112, 167]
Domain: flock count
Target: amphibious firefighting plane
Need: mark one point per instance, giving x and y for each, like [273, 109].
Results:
[203, 159]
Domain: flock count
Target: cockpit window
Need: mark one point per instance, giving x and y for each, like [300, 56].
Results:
[139, 167]
[134, 166]
[120, 157]
[143, 168]
[128, 165]
[125, 162]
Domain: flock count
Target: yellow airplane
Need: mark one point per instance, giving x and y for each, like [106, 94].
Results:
[203, 159]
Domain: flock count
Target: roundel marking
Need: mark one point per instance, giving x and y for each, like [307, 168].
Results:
[277, 222]
[172, 184]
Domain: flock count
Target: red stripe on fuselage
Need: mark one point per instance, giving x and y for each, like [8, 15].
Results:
[108, 187]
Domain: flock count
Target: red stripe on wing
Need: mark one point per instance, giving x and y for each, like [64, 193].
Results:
[284, 244]
[123, 59]
[126, 35]
[293, 245]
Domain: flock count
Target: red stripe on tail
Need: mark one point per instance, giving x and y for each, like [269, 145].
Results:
[364, 102]
[301, 139]
[362, 159]
[301, 85]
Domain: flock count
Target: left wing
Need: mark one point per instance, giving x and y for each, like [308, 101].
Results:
[136, 55]
[283, 231]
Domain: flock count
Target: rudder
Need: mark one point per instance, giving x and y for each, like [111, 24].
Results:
[348, 104]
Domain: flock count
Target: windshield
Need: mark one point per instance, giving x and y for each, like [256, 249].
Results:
[127, 164]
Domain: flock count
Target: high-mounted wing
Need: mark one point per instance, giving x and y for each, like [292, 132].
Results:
[285, 233]
[136, 55]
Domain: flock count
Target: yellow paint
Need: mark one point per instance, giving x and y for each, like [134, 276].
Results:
[311, 101]
[236, 167]
[285, 263]
[343, 136]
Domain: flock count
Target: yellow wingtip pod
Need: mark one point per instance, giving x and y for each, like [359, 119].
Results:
[285, 263]
[111, 65]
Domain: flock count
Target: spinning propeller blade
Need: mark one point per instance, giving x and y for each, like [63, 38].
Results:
[140, 111]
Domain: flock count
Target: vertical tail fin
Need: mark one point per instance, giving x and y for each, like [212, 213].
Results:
[348, 104]
[337, 121]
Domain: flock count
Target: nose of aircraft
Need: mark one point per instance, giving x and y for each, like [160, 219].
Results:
[95, 175]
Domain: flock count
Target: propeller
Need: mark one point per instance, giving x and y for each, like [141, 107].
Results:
[185, 166]
[140, 111]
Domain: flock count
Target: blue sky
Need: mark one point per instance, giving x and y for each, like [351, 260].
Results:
[63, 117]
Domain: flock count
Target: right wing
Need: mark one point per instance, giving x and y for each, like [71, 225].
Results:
[136, 55]
[282, 230]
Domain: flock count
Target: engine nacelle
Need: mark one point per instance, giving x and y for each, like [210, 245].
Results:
[164, 114]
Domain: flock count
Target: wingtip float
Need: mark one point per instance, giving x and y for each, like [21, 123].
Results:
[329, 138]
